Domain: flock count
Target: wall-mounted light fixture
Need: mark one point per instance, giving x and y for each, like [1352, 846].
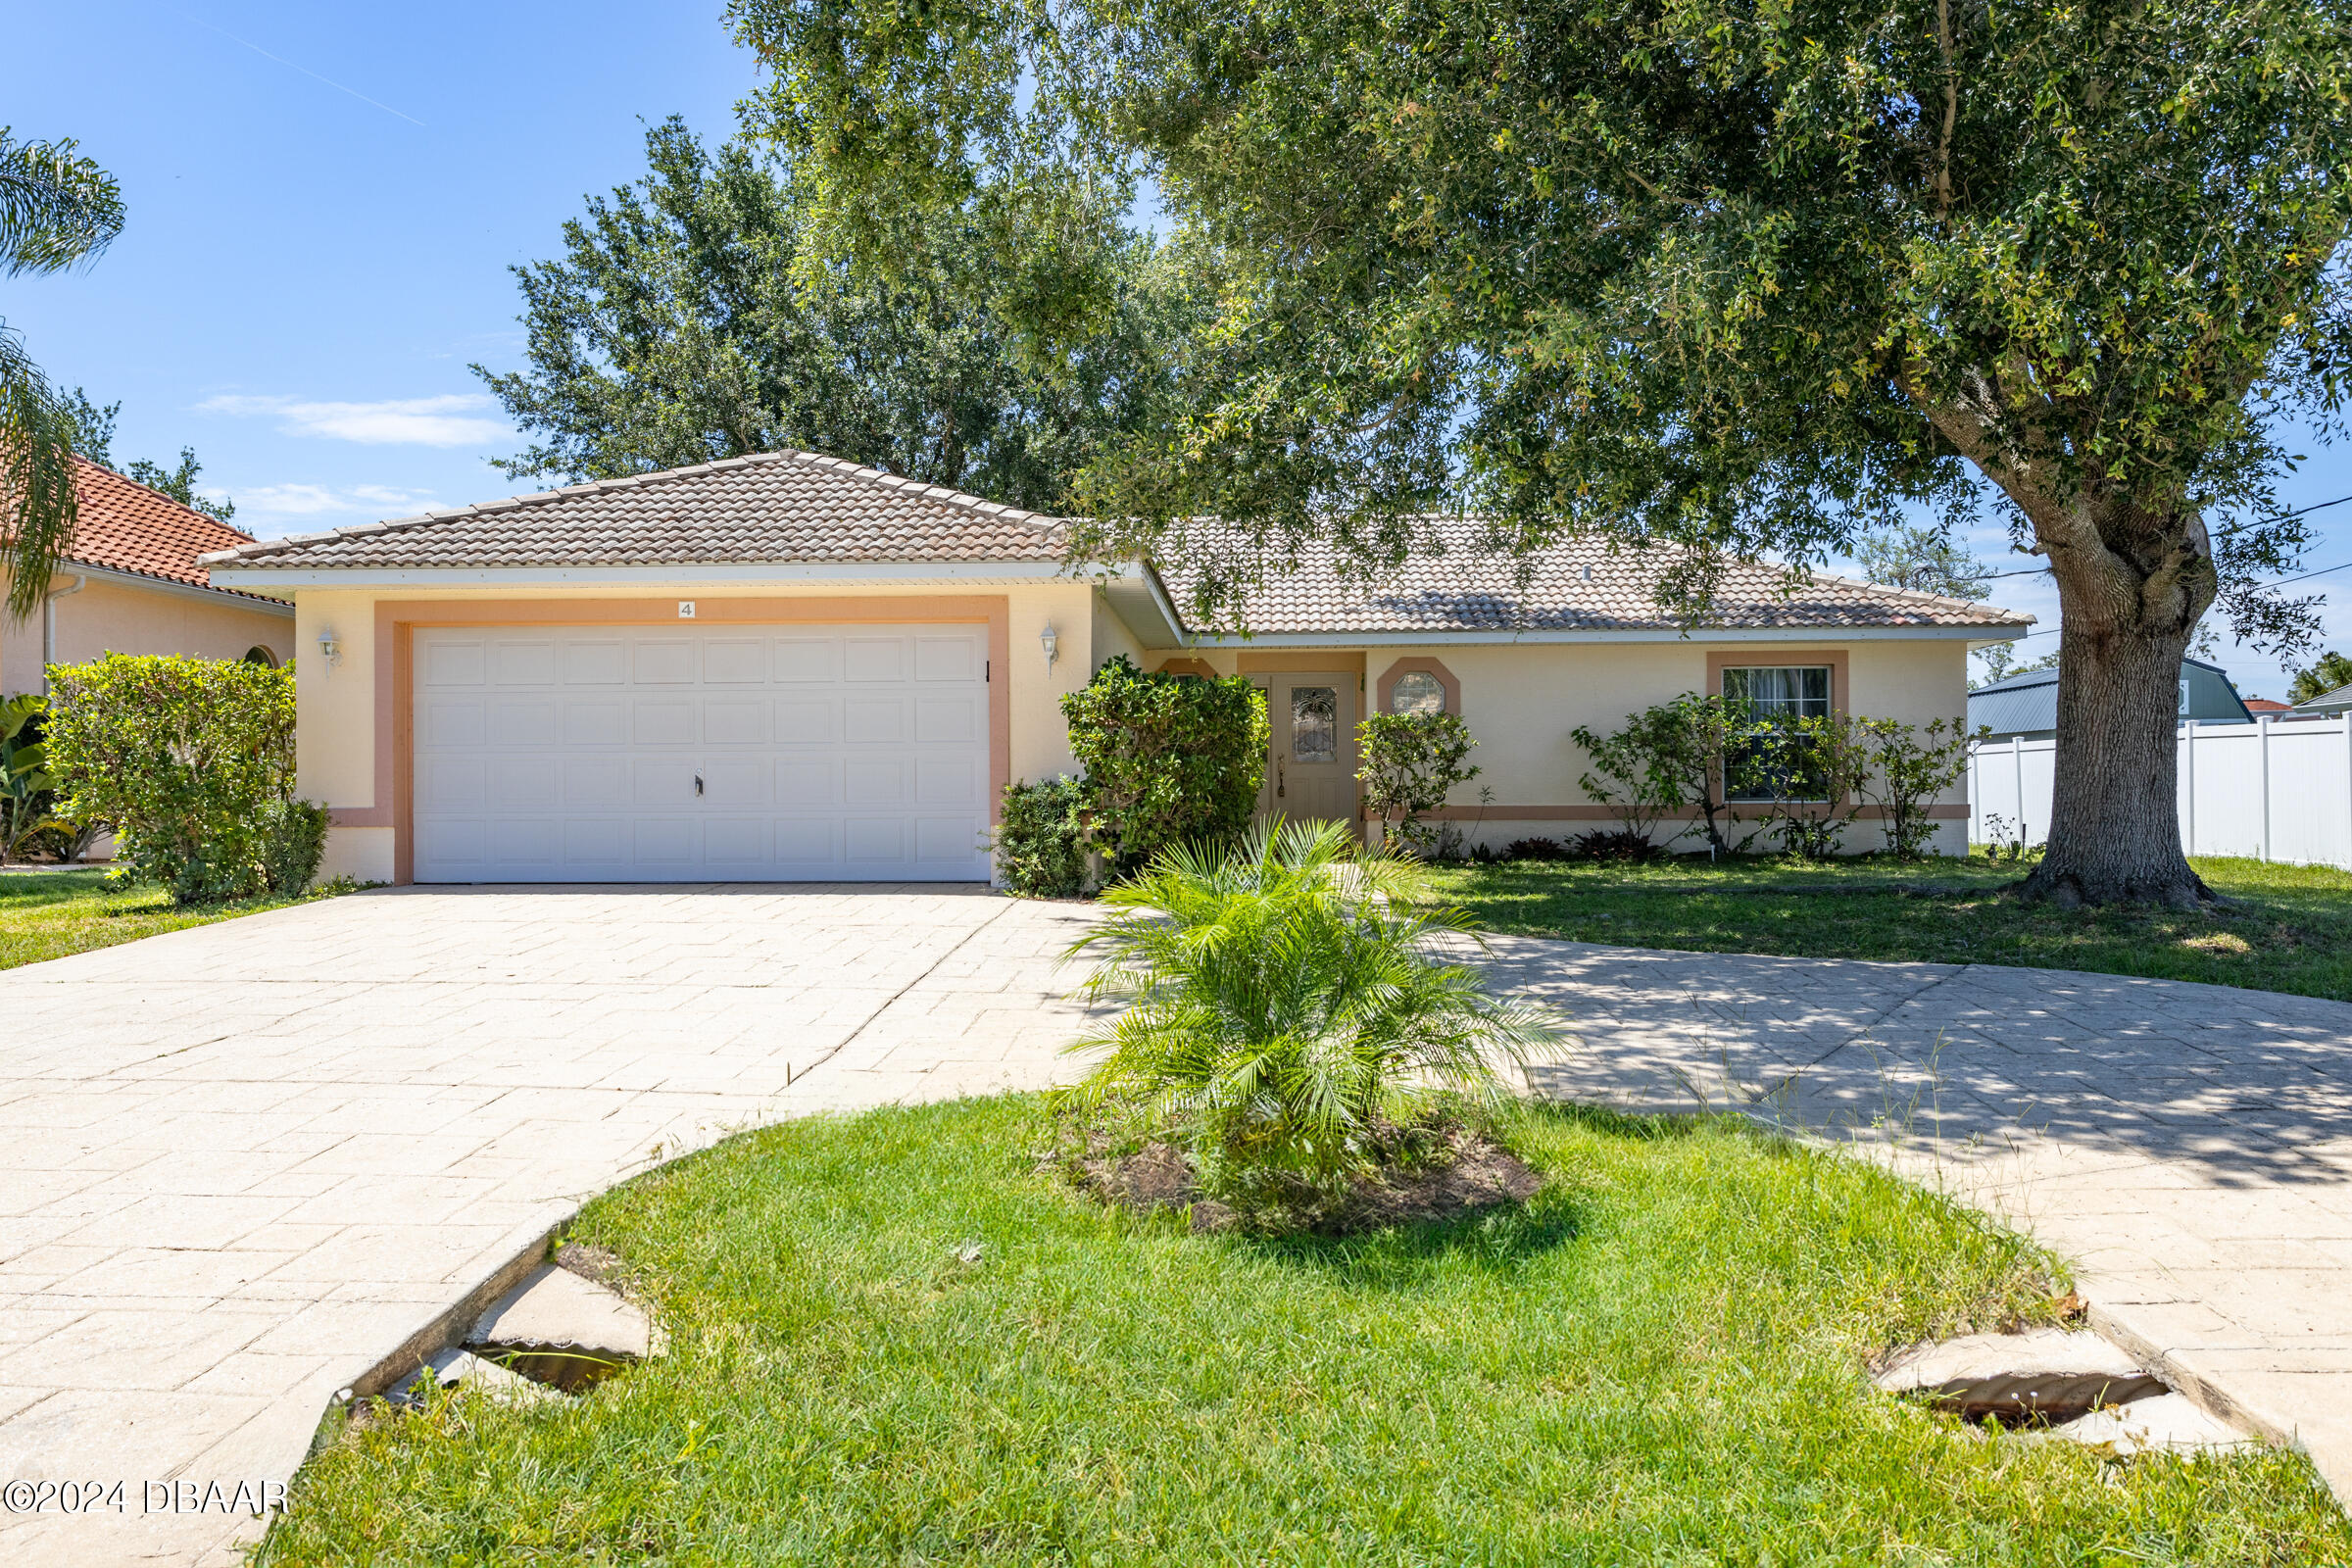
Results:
[330, 647]
[1050, 641]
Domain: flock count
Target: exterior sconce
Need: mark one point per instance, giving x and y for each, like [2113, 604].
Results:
[1050, 641]
[330, 647]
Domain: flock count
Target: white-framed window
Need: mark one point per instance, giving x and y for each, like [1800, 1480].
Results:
[1781, 695]
[1417, 691]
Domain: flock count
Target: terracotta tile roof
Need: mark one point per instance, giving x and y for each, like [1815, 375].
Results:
[782, 507]
[1458, 586]
[788, 507]
[2264, 704]
[125, 527]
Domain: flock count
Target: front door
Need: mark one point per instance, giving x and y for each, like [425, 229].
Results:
[1310, 762]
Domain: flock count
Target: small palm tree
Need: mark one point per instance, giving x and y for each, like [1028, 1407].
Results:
[56, 209]
[1287, 1003]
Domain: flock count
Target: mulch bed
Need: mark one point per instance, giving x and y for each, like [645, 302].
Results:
[1467, 1172]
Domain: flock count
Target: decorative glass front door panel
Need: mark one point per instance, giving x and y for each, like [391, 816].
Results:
[1310, 765]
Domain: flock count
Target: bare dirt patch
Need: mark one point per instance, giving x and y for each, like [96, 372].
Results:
[1457, 1172]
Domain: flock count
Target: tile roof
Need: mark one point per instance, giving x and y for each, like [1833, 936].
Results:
[125, 527]
[1457, 585]
[800, 508]
[782, 507]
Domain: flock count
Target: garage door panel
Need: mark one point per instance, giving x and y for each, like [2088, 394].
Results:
[735, 721]
[454, 784]
[529, 663]
[865, 660]
[737, 783]
[849, 752]
[806, 660]
[947, 659]
[595, 783]
[806, 722]
[736, 841]
[452, 723]
[807, 781]
[938, 839]
[872, 839]
[599, 661]
[946, 721]
[947, 781]
[735, 661]
[870, 782]
[455, 663]
[526, 720]
[524, 784]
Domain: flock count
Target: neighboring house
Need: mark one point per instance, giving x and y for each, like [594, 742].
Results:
[2028, 705]
[2328, 705]
[2260, 706]
[790, 667]
[132, 584]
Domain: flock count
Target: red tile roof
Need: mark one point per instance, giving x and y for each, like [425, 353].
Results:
[2264, 704]
[125, 527]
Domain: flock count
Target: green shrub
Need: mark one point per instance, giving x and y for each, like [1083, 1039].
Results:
[1411, 761]
[1285, 1004]
[1041, 840]
[1167, 758]
[27, 793]
[192, 762]
[293, 839]
[1672, 757]
[1908, 770]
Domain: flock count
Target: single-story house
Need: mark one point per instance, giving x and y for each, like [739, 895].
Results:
[2328, 705]
[133, 582]
[787, 666]
[2028, 705]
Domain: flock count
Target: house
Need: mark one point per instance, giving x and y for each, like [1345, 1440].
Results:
[2028, 705]
[2328, 705]
[787, 666]
[2267, 708]
[132, 583]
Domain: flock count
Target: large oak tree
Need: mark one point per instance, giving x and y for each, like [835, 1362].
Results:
[1749, 278]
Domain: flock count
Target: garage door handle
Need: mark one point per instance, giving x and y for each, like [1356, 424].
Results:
[698, 783]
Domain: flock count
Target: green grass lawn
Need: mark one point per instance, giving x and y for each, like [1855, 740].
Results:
[48, 914]
[896, 1340]
[2291, 931]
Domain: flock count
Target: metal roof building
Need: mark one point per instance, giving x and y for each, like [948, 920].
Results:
[2028, 705]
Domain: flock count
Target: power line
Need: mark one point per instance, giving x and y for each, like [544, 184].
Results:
[2218, 533]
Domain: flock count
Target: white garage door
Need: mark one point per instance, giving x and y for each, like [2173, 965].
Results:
[579, 754]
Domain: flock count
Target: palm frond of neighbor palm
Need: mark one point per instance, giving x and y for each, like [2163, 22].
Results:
[57, 208]
[1286, 997]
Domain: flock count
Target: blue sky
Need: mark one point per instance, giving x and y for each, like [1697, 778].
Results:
[324, 200]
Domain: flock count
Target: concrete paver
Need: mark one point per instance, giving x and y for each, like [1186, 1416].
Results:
[245, 1161]
[2189, 1147]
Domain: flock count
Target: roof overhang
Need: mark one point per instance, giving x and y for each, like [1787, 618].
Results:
[266, 579]
[1640, 634]
[182, 589]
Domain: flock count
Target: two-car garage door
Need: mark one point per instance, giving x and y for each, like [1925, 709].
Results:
[790, 752]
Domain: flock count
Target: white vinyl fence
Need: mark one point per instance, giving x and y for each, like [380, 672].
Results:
[2267, 790]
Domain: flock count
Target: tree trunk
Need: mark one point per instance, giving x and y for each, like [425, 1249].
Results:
[2115, 826]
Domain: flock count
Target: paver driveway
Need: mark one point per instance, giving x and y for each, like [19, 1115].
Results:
[2189, 1147]
[245, 1161]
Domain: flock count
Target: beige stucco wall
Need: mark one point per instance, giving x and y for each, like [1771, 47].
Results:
[335, 734]
[1521, 700]
[110, 615]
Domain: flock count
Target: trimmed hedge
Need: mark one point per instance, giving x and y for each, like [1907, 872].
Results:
[1041, 839]
[1168, 759]
[192, 762]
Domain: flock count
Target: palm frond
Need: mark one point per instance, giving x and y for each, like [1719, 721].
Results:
[55, 206]
[37, 506]
[1285, 996]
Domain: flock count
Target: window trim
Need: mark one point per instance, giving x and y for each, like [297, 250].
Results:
[1386, 689]
[1771, 658]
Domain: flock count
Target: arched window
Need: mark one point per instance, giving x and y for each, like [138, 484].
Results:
[1417, 691]
[258, 654]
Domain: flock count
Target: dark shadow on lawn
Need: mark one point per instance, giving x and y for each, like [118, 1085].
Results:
[1499, 1241]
